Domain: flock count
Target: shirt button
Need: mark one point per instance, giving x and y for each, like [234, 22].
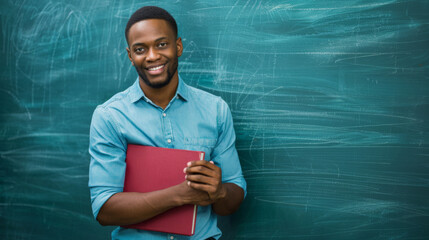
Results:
[171, 237]
[164, 114]
[169, 140]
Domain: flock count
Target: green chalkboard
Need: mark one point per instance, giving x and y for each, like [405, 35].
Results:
[330, 101]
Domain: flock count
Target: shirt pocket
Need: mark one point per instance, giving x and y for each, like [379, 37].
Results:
[200, 144]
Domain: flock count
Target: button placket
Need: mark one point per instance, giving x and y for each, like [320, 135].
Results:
[168, 132]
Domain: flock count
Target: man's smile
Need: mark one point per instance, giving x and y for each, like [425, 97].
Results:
[155, 70]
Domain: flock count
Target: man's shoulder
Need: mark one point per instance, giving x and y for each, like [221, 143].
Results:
[204, 97]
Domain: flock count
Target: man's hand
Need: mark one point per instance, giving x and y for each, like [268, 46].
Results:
[190, 195]
[207, 177]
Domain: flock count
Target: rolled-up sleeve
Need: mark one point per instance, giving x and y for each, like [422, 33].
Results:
[224, 153]
[107, 165]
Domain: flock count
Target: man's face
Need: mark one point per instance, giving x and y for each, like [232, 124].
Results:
[154, 51]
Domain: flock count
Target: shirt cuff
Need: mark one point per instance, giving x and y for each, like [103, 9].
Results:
[239, 182]
[99, 196]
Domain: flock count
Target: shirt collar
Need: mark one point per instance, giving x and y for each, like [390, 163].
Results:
[136, 93]
[182, 90]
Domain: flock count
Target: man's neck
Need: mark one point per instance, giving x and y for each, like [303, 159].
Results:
[161, 96]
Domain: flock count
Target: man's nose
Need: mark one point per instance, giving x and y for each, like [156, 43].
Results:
[152, 55]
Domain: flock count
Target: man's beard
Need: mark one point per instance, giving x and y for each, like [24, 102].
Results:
[170, 75]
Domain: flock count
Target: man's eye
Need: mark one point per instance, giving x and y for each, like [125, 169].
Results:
[139, 50]
[162, 44]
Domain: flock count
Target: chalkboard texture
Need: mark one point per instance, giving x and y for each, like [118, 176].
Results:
[330, 101]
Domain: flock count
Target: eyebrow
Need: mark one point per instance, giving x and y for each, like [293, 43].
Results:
[156, 40]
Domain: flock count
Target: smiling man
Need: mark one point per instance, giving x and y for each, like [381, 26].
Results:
[160, 110]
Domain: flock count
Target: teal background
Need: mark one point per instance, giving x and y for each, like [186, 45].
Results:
[330, 101]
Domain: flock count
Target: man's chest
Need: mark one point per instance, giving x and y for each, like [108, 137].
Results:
[190, 129]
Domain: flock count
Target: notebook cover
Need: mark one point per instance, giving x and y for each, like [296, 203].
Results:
[153, 168]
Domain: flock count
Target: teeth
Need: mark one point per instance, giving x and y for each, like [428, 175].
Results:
[156, 68]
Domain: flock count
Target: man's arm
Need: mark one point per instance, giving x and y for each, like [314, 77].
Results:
[126, 208]
[206, 176]
[231, 201]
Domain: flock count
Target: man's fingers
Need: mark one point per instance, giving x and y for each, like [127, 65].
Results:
[199, 178]
[202, 187]
[204, 176]
[204, 163]
[202, 167]
[200, 170]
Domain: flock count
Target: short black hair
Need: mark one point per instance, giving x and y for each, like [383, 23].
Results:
[150, 12]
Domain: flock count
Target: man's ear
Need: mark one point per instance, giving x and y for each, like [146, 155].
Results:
[179, 46]
[129, 56]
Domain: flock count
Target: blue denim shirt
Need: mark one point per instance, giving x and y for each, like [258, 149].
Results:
[193, 120]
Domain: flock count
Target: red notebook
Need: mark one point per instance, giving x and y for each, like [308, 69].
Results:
[153, 168]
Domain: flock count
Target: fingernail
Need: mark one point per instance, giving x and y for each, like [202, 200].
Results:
[184, 170]
[189, 164]
[189, 183]
[212, 162]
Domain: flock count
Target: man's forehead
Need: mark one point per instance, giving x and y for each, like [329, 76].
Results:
[151, 26]
[150, 30]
